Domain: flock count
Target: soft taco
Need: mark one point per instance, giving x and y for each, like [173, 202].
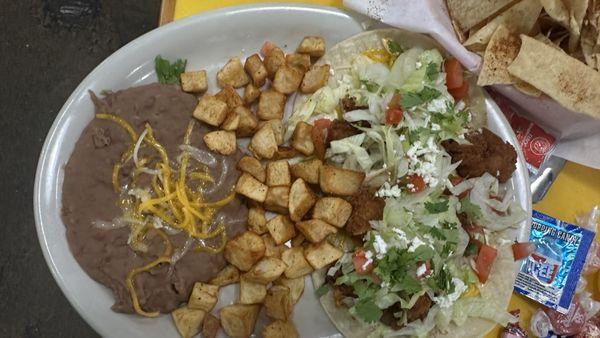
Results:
[427, 246]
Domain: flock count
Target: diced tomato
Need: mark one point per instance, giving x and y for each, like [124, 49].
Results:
[455, 180]
[484, 261]
[424, 273]
[393, 116]
[522, 250]
[319, 135]
[454, 73]
[460, 92]
[415, 183]
[359, 258]
[267, 48]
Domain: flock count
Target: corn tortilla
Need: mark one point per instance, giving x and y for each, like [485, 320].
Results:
[468, 13]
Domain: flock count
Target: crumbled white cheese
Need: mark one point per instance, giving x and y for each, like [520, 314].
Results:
[402, 137]
[369, 257]
[435, 127]
[422, 158]
[421, 270]
[416, 242]
[419, 64]
[447, 300]
[388, 191]
[380, 246]
[438, 105]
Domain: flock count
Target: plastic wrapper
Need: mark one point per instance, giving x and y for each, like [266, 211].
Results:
[590, 222]
[514, 330]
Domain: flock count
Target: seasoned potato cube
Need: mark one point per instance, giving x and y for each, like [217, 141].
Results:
[312, 45]
[194, 82]
[315, 230]
[307, 170]
[281, 229]
[221, 141]
[188, 321]
[251, 93]
[333, 210]
[278, 302]
[264, 144]
[280, 329]
[287, 80]
[245, 250]
[211, 110]
[315, 78]
[229, 275]
[266, 270]
[322, 254]
[248, 122]
[302, 138]
[270, 105]
[277, 199]
[255, 67]
[278, 173]
[296, 286]
[277, 126]
[232, 74]
[297, 265]
[285, 152]
[230, 96]
[298, 240]
[211, 326]
[301, 199]
[238, 320]
[253, 167]
[203, 297]
[257, 221]
[298, 61]
[339, 181]
[232, 121]
[251, 188]
[273, 61]
[271, 248]
[252, 292]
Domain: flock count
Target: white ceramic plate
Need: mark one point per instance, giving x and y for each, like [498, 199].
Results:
[206, 41]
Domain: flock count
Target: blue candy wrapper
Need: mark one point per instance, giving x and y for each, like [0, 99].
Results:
[550, 274]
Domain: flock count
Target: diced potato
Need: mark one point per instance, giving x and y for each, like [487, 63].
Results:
[322, 254]
[263, 144]
[273, 61]
[277, 126]
[333, 210]
[271, 248]
[251, 188]
[248, 122]
[313, 46]
[315, 78]
[270, 105]
[307, 170]
[278, 173]
[211, 326]
[232, 121]
[284, 153]
[298, 61]
[277, 199]
[266, 270]
[203, 297]
[297, 265]
[245, 250]
[257, 221]
[302, 138]
[287, 80]
[301, 199]
[298, 240]
[252, 292]
[238, 320]
[188, 321]
[194, 82]
[211, 110]
[221, 141]
[296, 286]
[278, 303]
[280, 329]
[315, 230]
[253, 167]
[230, 96]
[232, 74]
[339, 181]
[281, 229]
[255, 67]
[229, 275]
[251, 93]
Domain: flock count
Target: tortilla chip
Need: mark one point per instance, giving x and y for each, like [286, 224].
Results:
[543, 38]
[527, 89]
[569, 14]
[565, 79]
[519, 19]
[590, 46]
[499, 54]
[468, 13]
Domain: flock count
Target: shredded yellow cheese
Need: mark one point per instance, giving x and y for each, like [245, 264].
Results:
[378, 55]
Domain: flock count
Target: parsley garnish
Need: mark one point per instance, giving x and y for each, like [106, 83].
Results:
[441, 281]
[393, 47]
[473, 211]
[368, 310]
[411, 99]
[437, 207]
[323, 289]
[371, 86]
[167, 72]
[471, 250]
[432, 71]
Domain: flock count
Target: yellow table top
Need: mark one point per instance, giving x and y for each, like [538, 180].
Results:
[576, 190]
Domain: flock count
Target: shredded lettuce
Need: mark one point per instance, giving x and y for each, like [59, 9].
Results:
[352, 145]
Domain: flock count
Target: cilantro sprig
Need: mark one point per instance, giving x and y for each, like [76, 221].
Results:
[169, 72]
[412, 99]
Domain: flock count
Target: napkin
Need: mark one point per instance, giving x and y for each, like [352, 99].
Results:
[578, 135]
